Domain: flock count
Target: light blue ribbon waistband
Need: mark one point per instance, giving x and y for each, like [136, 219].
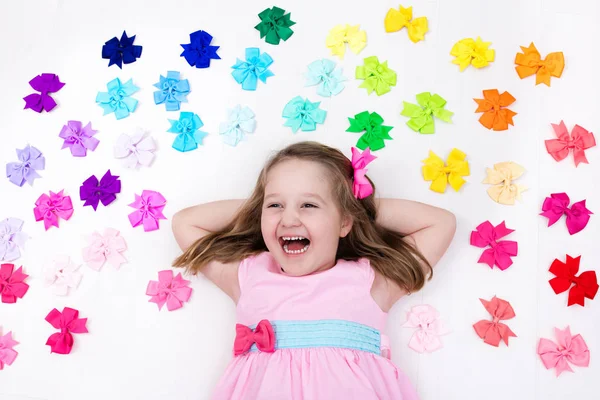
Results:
[325, 333]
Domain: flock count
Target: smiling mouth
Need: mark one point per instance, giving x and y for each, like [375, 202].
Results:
[294, 244]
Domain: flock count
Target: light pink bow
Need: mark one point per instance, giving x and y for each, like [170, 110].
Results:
[149, 210]
[50, 208]
[558, 204]
[7, 354]
[430, 328]
[105, 248]
[361, 186]
[500, 252]
[169, 290]
[570, 349]
[579, 140]
[63, 275]
[263, 336]
[68, 323]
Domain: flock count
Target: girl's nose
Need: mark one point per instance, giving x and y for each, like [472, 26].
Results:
[290, 218]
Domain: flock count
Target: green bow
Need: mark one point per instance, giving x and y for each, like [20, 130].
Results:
[421, 116]
[275, 25]
[375, 131]
[378, 77]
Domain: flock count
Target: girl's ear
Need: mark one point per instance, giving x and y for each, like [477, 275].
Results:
[346, 226]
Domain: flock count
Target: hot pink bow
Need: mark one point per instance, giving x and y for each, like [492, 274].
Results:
[173, 291]
[50, 208]
[361, 186]
[103, 248]
[558, 204]
[570, 349]
[500, 252]
[579, 140]
[430, 328]
[494, 331]
[67, 321]
[149, 210]
[11, 283]
[263, 336]
[7, 354]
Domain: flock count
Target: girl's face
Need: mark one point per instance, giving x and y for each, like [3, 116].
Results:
[301, 224]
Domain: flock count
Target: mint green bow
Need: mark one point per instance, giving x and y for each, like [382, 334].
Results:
[421, 116]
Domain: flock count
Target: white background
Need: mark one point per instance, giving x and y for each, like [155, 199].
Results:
[135, 352]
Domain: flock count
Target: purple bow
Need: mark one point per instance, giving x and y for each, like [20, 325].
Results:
[105, 191]
[45, 84]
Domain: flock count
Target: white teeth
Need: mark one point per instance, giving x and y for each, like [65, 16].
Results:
[293, 237]
[285, 248]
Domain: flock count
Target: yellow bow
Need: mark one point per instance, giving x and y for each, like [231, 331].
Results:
[398, 19]
[342, 34]
[441, 174]
[475, 52]
[502, 176]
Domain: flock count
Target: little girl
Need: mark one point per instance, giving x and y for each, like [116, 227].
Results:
[313, 268]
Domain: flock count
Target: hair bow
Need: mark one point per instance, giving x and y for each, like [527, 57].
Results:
[339, 35]
[12, 283]
[586, 284]
[493, 106]
[263, 335]
[494, 331]
[500, 252]
[68, 323]
[7, 354]
[504, 190]
[395, 20]
[169, 290]
[579, 140]
[530, 62]
[558, 204]
[441, 174]
[570, 349]
[45, 84]
[430, 327]
[361, 187]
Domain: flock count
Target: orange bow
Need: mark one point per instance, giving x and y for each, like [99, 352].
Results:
[530, 62]
[494, 115]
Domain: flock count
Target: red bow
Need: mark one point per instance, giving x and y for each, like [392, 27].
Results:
[262, 335]
[492, 331]
[579, 140]
[586, 284]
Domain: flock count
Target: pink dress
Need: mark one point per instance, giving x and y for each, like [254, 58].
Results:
[327, 337]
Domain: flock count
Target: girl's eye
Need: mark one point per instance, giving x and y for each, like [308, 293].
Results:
[272, 205]
[310, 205]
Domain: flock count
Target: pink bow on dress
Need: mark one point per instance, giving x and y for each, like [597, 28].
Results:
[500, 252]
[579, 140]
[570, 349]
[361, 186]
[494, 331]
[430, 328]
[170, 290]
[558, 204]
[67, 321]
[263, 335]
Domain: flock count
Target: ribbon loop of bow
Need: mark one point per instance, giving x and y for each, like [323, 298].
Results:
[263, 336]
[585, 285]
[579, 140]
[361, 187]
[494, 331]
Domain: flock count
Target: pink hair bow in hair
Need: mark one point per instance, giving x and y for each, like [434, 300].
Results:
[68, 323]
[51, 208]
[558, 204]
[570, 349]
[105, 248]
[500, 251]
[494, 331]
[149, 210]
[426, 338]
[263, 336]
[361, 186]
[579, 140]
[169, 290]
[7, 354]
[12, 285]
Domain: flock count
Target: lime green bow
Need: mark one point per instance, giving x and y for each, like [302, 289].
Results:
[421, 116]
[378, 76]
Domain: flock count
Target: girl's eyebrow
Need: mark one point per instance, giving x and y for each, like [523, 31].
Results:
[313, 195]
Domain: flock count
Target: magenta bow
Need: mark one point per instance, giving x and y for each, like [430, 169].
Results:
[45, 84]
[500, 252]
[579, 140]
[169, 290]
[361, 187]
[67, 321]
[50, 208]
[149, 210]
[558, 204]
[7, 354]
[12, 285]
[570, 349]
[263, 335]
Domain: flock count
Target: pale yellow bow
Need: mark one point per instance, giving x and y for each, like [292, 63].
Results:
[502, 176]
[398, 19]
[342, 34]
[441, 174]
